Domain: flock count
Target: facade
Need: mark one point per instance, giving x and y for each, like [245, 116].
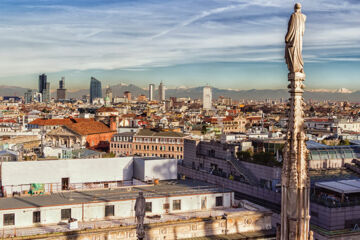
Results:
[149, 143]
[157, 143]
[122, 144]
[151, 92]
[162, 92]
[127, 96]
[207, 98]
[234, 124]
[95, 89]
[165, 198]
[61, 91]
[65, 174]
[28, 96]
[90, 134]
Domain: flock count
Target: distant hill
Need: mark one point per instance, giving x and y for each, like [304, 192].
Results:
[12, 91]
[196, 92]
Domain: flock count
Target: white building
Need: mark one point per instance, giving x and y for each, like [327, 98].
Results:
[165, 198]
[74, 174]
[151, 92]
[348, 125]
[162, 92]
[207, 98]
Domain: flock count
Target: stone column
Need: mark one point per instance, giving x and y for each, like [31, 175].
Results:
[295, 200]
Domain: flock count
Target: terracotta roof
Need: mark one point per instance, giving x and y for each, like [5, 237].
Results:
[106, 109]
[59, 122]
[88, 128]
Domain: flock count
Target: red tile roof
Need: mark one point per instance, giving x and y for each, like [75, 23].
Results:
[89, 128]
[59, 122]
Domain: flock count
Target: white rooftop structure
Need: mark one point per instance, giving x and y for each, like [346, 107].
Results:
[343, 186]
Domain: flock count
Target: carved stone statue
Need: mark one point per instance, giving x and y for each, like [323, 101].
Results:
[140, 214]
[294, 41]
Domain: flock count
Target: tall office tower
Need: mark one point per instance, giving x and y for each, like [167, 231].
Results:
[28, 96]
[151, 92]
[127, 96]
[161, 92]
[46, 95]
[95, 89]
[42, 82]
[108, 94]
[207, 98]
[61, 91]
[44, 88]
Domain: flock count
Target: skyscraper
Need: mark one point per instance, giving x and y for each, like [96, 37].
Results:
[151, 92]
[95, 89]
[28, 96]
[161, 92]
[207, 98]
[61, 91]
[42, 82]
[44, 88]
[46, 97]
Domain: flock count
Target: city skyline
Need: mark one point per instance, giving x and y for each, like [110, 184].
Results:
[226, 44]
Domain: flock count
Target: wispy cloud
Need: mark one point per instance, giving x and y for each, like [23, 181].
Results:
[51, 36]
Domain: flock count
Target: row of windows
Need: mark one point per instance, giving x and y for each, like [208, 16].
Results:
[160, 155]
[160, 148]
[9, 219]
[157, 140]
[118, 145]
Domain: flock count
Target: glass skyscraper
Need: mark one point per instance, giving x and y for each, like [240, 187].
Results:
[95, 89]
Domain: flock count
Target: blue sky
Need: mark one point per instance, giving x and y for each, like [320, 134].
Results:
[236, 44]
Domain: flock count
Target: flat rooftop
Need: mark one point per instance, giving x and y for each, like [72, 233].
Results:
[344, 186]
[163, 189]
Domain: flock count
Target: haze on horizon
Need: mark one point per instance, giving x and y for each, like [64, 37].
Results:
[236, 44]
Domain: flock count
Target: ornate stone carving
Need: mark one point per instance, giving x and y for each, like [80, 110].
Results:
[295, 181]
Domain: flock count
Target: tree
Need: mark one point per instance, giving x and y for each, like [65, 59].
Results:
[244, 155]
[344, 142]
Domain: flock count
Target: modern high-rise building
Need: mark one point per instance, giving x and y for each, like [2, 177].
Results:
[151, 92]
[95, 89]
[207, 98]
[42, 82]
[161, 92]
[44, 88]
[28, 96]
[61, 91]
[46, 95]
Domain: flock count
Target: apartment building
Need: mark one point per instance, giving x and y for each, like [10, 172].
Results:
[149, 143]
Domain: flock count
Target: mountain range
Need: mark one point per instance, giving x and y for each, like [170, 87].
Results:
[196, 92]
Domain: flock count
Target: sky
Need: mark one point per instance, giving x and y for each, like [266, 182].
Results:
[231, 44]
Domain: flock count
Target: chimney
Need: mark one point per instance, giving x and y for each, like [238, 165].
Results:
[113, 123]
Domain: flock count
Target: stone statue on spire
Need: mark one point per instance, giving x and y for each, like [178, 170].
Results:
[294, 41]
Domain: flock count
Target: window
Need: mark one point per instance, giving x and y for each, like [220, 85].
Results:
[219, 201]
[9, 219]
[109, 211]
[176, 204]
[65, 214]
[36, 217]
[148, 207]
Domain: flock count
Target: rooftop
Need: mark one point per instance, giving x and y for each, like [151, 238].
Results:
[158, 133]
[165, 188]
